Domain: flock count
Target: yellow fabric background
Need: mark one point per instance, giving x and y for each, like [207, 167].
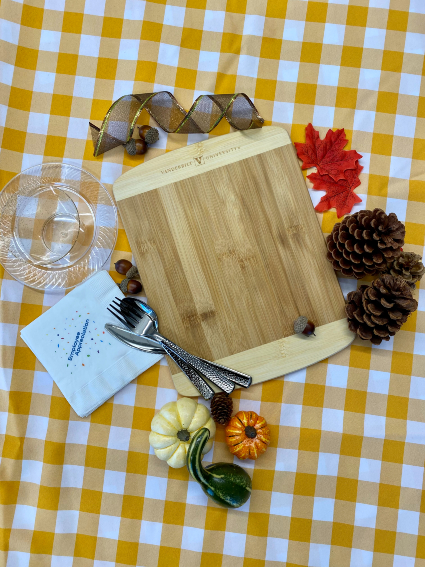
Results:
[341, 483]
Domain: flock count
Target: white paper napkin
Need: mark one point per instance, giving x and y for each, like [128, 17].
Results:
[86, 362]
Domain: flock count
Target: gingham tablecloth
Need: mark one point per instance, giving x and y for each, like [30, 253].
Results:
[341, 483]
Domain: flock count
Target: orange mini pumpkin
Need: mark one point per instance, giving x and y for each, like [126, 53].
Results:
[247, 435]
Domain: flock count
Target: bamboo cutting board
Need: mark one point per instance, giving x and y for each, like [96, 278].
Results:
[230, 253]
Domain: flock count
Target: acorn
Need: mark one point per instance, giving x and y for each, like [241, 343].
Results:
[304, 326]
[149, 134]
[134, 147]
[122, 266]
[130, 286]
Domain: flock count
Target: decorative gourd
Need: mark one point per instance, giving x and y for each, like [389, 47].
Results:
[247, 435]
[173, 428]
[227, 484]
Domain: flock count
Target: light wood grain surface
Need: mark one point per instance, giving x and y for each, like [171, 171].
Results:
[232, 253]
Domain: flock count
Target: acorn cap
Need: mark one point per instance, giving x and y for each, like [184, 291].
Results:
[152, 136]
[123, 285]
[133, 271]
[300, 324]
[130, 146]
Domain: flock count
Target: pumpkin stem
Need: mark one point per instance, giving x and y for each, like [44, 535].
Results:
[250, 432]
[183, 435]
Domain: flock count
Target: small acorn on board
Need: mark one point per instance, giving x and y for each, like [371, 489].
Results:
[128, 284]
[304, 326]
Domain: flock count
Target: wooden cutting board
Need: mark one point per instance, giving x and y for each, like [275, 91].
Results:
[230, 253]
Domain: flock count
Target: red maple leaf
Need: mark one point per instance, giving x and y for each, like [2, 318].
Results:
[339, 194]
[327, 155]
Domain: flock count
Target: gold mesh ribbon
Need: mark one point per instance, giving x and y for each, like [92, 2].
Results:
[204, 115]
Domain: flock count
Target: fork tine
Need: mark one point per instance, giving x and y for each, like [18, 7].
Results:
[129, 314]
[129, 321]
[119, 318]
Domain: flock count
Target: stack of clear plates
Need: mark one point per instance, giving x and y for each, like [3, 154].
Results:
[58, 226]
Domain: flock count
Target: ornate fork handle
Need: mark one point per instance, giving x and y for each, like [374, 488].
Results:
[204, 389]
[213, 374]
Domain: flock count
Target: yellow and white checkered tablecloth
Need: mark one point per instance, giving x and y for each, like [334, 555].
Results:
[341, 484]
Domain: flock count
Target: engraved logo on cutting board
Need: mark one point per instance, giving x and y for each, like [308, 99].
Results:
[198, 160]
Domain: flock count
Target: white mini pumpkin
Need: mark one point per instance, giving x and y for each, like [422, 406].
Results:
[173, 428]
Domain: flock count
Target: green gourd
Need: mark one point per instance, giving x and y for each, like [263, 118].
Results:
[227, 484]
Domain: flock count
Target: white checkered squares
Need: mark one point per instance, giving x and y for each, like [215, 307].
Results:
[408, 522]
[89, 45]
[77, 128]
[369, 79]
[324, 116]
[18, 559]
[283, 112]
[6, 73]
[419, 347]
[214, 20]
[9, 31]
[286, 460]
[119, 438]
[110, 172]
[248, 66]
[323, 509]
[234, 544]
[370, 470]
[417, 388]
[31, 471]
[415, 432]
[374, 38]
[122, 88]
[333, 420]
[134, 9]
[361, 558]
[397, 206]
[253, 25]
[337, 376]
[293, 30]
[54, 5]
[328, 464]
[64, 561]
[37, 427]
[334, 34]
[374, 426]
[412, 476]
[174, 16]
[208, 61]
[403, 561]
[192, 539]
[415, 43]
[24, 518]
[400, 167]
[67, 521]
[410, 84]
[405, 126]
[3, 422]
[3, 114]
[417, 6]
[421, 300]
[78, 432]
[84, 87]
[44, 82]
[319, 555]
[328, 75]
[11, 290]
[281, 504]
[114, 482]
[250, 405]
[42, 383]
[8, 334]
[365, 515]
[150, 532]
[168, 54]
[195, 494]
[364, 120]
[379, 382]
[297, 376]
[129, 49]
[94, 7]
[288, 71]
[165, 395]
[50, 40]
[156, 487]
[72, 476]
[109, 526]
[277, 549]
[290, 415]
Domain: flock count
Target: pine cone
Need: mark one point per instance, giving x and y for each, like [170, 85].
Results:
[221, 408]
[363, 243]
[377, 312]
[409, 266]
